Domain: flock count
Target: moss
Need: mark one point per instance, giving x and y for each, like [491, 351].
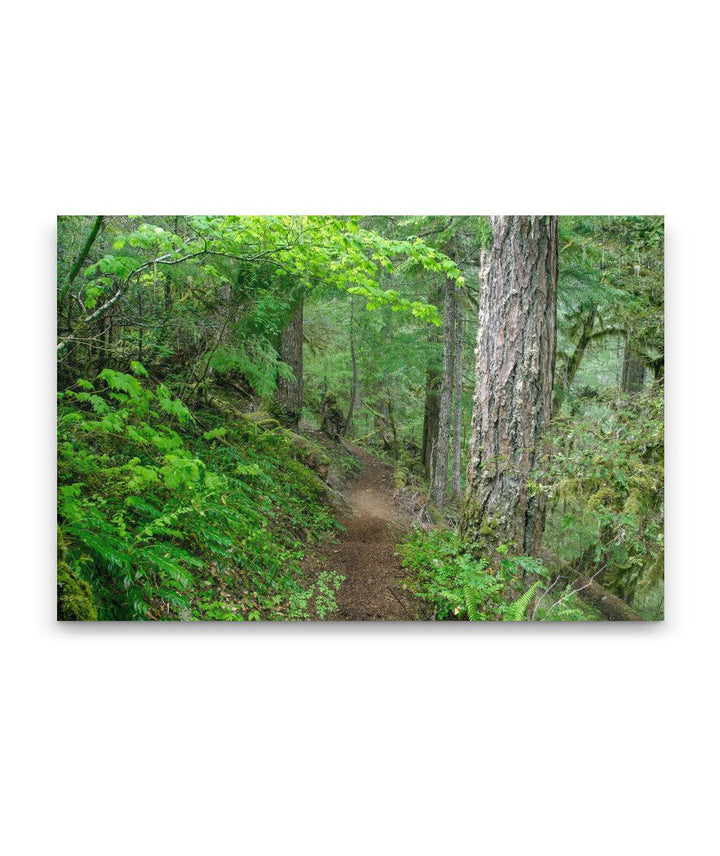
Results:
[475, 525]
[307, 452]
[281, 413]
[264, 420]
[481, 531]
[487, 528]
[605, 497]
[74, 596]
[401, 476]
[436, 517]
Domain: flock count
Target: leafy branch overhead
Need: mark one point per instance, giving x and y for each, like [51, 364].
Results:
[310, 250]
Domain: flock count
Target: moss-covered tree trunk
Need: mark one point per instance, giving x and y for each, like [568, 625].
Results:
[515, 361]
[632, 378]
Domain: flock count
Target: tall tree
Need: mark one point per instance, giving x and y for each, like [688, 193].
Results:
[289, 394]
[431, 409]
[353, 360]
[515, 361]
[457, 396]
[442, 446]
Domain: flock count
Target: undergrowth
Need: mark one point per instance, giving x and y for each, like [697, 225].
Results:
[606, 493]
[163, 518]
[459, 587]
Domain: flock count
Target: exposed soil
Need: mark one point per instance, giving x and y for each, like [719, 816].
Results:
[365, 552]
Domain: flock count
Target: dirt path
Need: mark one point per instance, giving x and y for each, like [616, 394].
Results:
[365, 552]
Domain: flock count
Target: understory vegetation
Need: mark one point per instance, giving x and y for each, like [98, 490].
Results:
[215, 373]
[459, 586]
[163, 516]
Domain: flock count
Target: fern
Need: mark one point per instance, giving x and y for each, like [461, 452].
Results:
[472, 603]
[516, 610]
[167, 523]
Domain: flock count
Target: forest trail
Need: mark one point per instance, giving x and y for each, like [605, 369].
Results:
[365, 552]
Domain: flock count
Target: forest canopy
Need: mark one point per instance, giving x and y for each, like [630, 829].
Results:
[226, 384]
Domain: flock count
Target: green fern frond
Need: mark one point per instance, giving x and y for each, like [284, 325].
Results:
[472, 598]
[516, 610]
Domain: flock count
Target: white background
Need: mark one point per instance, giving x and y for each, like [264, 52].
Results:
[372, 739]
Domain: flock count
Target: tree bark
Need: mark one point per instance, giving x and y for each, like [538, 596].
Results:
[289, 394]
[442, 446]
[632, 379]
[515, 361]
[457, 397]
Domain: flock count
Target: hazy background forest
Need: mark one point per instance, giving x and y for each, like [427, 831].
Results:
[224, 381]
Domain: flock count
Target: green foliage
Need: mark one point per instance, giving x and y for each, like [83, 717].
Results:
[74, 596]
[175, 279]
[606, 485]
[567, 606]
[172, 317]
[162, 520]
[458, 586]
[610, 285]
[318, 600]
[516, 610]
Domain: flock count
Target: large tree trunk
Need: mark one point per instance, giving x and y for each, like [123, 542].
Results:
[515, 361]
[632, 379]
[442, 447]
[457, 397]
[289, 393]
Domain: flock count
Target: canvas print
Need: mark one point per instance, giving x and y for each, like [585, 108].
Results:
[360, 418]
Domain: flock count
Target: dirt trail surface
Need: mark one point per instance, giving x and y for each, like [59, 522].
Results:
[365, 551]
